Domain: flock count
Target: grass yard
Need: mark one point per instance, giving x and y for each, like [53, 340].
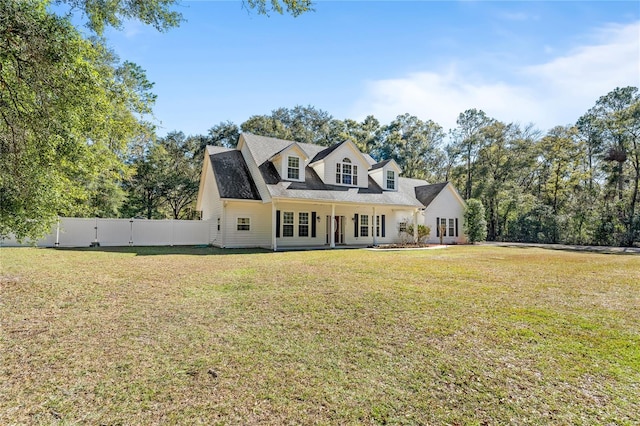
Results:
[465, 335]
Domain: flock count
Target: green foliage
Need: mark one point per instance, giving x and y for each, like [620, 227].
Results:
[101, 14]
[414, 145]
[159, 13]
[293, 7]
[475, 225]
[166, 179]
[224, 134]
[302, 124]
[423, 232]
[67, 111]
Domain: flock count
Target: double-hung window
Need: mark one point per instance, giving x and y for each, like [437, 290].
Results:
[452, 228]
[287, 224]
[364, 225]
[303, 224]
[443, 227]
[244, 224]
[293, 168]
[391, 179]
[346, 173]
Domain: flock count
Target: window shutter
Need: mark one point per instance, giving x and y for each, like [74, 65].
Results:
[437, 226]
[456, 226]
[313, 224]
[382, 226]
[277, 223]
[356, 225]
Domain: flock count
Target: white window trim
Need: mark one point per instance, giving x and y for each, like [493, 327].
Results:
[308, 224]
[393, 179]
[340, 172]
[292, 224]
[364, 226]
[238, 224]
[286, 168]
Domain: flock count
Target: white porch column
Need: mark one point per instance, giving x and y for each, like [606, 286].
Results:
[333, 226]
[274, 243]
[415, 226]
[375, 226]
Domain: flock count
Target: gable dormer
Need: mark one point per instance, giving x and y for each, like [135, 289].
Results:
[290, 162]
[385, 174]
[342, 164]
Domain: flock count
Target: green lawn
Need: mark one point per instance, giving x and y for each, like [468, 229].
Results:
[465, 335]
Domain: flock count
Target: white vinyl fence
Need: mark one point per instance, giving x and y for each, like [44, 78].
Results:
[82, 232]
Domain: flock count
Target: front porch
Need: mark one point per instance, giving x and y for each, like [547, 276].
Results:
[301, 225]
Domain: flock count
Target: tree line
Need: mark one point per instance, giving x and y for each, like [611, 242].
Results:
[574, 184]
[76, 139]
[74, 117]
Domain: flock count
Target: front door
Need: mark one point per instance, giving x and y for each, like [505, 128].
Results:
[339, 230]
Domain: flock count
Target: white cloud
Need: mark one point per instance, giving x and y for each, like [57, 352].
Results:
[553, 93]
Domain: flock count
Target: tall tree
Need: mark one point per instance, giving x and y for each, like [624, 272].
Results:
[224, 134]
[505, 165]
[467, 141]
[475, 224]
[366, 134]
[181, 179]
[166, 179]
[67, 108]
[302, 124]
[617, 118]
[414, 144]
[560, 155]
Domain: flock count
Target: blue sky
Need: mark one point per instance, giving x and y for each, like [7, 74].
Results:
[540, 62]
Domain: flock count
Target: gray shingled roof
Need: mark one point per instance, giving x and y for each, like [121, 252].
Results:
[232, 175]
[262, 148]
[380, 164]
[427, 193]
[313, 188]
[323, 154]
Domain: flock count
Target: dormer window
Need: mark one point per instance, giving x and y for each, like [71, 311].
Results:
[293, 168]
[391, 179]
[346, 173]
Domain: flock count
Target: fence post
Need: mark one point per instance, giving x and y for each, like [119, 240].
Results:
[57, 243]
[95, 242]
[130, 232]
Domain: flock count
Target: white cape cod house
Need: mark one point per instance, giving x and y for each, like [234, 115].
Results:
[275, 193]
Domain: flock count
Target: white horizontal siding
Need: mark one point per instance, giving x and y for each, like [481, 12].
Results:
[296, 240]
[259, 234]
[445, 205]
[336, 157]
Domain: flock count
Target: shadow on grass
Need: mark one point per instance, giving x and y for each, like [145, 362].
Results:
[574, 248]
[166, 250]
